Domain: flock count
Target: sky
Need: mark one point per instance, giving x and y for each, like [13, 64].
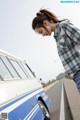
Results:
[18, 38]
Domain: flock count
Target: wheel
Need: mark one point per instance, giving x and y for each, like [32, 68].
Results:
[44, 110]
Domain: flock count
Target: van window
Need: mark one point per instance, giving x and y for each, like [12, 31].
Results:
[20, 63]
[4, 71]
[29, 72]
[11, 69]
[18, 68]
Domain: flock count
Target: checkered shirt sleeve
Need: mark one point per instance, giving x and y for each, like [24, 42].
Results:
[67, 39]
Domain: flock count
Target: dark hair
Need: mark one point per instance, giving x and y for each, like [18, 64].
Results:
[44, 15]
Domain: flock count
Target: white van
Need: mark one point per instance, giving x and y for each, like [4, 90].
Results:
[21, 94]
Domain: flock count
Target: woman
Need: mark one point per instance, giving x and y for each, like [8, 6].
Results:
[66, 36]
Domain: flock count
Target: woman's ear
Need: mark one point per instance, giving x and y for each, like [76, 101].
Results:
[45, 23]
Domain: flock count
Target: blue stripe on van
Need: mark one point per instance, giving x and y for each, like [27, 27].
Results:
[12, 102]
[38, 116]
[32, 111]
[24, 109]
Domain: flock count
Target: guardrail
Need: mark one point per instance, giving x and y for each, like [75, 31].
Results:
[73, 98]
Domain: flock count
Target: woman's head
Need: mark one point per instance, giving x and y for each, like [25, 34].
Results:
[44, 22]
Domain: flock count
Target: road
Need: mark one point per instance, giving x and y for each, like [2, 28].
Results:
[54, 94]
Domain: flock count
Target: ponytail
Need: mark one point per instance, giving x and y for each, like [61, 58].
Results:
[42, 15]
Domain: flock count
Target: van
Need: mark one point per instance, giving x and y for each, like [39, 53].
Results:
[22, 96]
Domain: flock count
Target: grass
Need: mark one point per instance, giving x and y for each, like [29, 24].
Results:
[48, 83]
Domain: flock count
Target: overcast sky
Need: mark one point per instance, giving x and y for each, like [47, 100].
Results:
[18, 38]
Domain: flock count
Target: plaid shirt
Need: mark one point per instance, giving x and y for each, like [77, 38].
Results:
[67, 36]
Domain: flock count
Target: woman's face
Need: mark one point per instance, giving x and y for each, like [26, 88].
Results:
[45, 30]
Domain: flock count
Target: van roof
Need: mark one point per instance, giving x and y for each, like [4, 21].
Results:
[3, 52]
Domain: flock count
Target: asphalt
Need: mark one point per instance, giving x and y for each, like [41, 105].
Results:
[71, 99]
[54, 94]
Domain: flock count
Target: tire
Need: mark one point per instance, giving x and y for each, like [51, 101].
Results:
[44, 110]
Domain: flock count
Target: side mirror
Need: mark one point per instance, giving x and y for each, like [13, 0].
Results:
[40, 79]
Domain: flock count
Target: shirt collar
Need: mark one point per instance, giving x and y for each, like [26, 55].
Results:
[57, 30]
